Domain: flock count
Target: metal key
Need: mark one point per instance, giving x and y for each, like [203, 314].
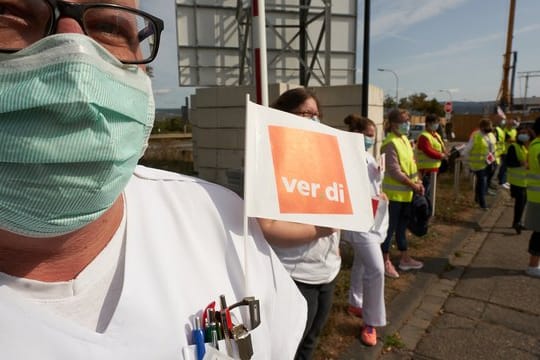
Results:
[242, 338]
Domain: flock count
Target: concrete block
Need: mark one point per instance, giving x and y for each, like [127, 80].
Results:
[207, 158]
[431, 306]
[205, 97]
[234, 96]
[204, 117]
[209, 174]
[419, 323]
[229, 139]
[230, 159]
[375, 95]
[339, 95]
[439, 291]
[411, 335]
[221, 177]
[207, 138]
[468, 308]
[232, 118]
[334, 115]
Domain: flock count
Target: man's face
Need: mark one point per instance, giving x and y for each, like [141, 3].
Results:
[125, 32]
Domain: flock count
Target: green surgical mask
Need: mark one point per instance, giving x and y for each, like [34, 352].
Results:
[73, 123]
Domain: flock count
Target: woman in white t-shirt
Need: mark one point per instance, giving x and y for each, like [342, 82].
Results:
[366, 293]
[309, 253]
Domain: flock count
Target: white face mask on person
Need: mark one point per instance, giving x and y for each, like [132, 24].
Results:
[368, 142]
[523, 138]
[404, 128]
[74, 122]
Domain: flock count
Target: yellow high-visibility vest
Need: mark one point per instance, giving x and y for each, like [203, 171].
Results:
[395, 190]
[500, 148]
[422, 160]
[480, 150]
[518, 175]
[533, 173]
[511, 135]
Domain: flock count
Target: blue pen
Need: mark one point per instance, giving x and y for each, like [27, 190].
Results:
[198, 339]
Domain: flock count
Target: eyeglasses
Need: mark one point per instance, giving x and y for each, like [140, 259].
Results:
[307, 114]
[129, 34]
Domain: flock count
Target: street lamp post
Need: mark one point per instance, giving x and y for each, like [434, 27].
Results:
[397, 83]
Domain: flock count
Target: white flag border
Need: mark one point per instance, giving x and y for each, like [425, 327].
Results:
[257, 147]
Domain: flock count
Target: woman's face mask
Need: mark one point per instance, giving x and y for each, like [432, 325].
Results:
[404, 128]
[74, 123]
[523, 137]
[368, 142]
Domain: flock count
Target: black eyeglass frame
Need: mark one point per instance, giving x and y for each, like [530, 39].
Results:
[76, 11]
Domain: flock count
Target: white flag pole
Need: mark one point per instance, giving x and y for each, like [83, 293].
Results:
[259, 50]
[247, 163]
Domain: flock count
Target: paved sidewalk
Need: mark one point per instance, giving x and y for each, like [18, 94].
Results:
[483, 306]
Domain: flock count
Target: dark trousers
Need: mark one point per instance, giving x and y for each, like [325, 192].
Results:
[398, 219]
[502, 170]
[426, 182]
[519, 194]
[490, 172]
[480, 190]
[319, 303]
[534, 244]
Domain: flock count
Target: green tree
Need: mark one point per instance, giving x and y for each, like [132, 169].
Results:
[404, 103]
[434, 107]
[418, 102]
[389, 102]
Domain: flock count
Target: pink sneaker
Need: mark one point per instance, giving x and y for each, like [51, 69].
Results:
[368, 334]
[355, 311]
[410, 264]
[390, 270]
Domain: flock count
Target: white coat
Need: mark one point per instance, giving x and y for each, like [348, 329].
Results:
[184, 247]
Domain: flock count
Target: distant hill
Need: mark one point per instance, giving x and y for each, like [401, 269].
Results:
[168, 113]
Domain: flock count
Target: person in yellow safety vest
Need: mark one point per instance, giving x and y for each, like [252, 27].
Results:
[533, 202]
[499, 151]
[480, 151]
[430, 150]
[510, 133]
[399, 183]
[516, 161]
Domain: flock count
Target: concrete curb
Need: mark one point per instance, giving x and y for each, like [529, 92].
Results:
[411, 312]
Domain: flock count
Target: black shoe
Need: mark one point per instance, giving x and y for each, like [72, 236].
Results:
[518, 227]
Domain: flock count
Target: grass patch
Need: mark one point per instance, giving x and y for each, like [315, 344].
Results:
[393, 341]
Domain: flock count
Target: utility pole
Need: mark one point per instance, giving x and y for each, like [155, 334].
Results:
[365, 56]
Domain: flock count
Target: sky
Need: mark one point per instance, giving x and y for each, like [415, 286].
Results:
[456, 46]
